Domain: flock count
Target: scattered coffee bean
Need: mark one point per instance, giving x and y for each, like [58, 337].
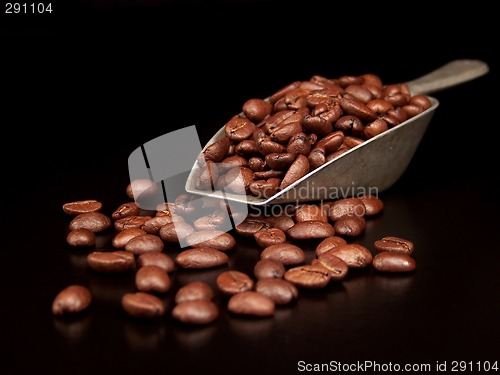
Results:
[310, 212]
[280, 291]
[110, 262]
[71, 300]
[390, 261]
[232, 282]
[268, 237]
[373, 205]
[251, 303]
[143, 305]
[142, 244]
[349, 225]
[268, 269]
[328, 244]
[81, 207]
[308, 230]
[94, 221]
[156, 258]
[153, 225]
[196, 312]
[81, 237]
[308, 276]
[194, 291]
[121, 238]
[286, 253]
[126, 209]
[132, 221]
[395, 244]
[152, 279]
[337, 267]
[215, 239]
[346, 206]
[201, 257]
[356, 256]
[175, 232]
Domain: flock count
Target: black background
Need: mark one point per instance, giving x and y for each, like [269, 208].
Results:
[85, 86]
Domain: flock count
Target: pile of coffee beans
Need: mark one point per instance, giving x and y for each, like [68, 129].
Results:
[143, 243]
[275, 141]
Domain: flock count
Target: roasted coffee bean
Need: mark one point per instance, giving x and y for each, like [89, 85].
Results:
[298, 169]
[299, 144]
[283, 91]
[397, 100]
[194, 291]
[359, 92]
[331, 142]
[207, 177]
[399, 113]
[165, 209]
[132, 221]
[281, 221]
[186, 204]
[265, 188]
[218, 150]
[310, 212]
[377, 91]
[356, 256]
[121, 238]
[145, 243]
[347, 80]
[373, 204]
[215, 239]
[328, 244]
[153, 225]
[349, 225]
[156, 258]
[333, 155]
[390, 120]
[239, 128]
[286, 253]
[256, 164]
[349, 125]
[357, 108]
[81, 237]
[94, 221]
[280, 291]
[308, 276]
[379, 106]
[375, 128]
[337, 267]
[390, 261]
[232, 282]
[196, 312]
[152, 279]
[237, 180]
[251, 225]
[231, 162]
[268, 237]
[394, 244]
[246, 148]
[201, 257]
[210, 222]
[317, 125]
[251, 303]
[266, 175]
[71, 300]
[126, 209]
[421, 101]
[175, 232]
[142, 305]
[267, 146]
[351, 141]
[81, 207]
[257, 109]
[111, 262]
[346, 206]
[316, 158]
[280, 161]
[269, 268]
[308, 230]
[373, 79]
[296, 98]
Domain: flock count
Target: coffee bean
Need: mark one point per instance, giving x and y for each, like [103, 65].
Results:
[152, 279]
[121, 238]
[268, 237]
[286, 253]
[307, 230]
[214, 221]
[256, 164]
[232, 162]
[267, 146]
[331, 142]
[265, 188]
[196, 312]
[299, 144]
[394, 244]
[346, 206]
[132, 221]
[390, 261]
[247, 148]
[141, 188]
[156, 258]
[71, 300]
[298, 169]
[266, 175]
[218, 150]
[126, 209]
[239, 128]
[357, 108]
[375, 128]
[373, 204]
[268, 269]
[194, 291]
[256, 109]
[316, 158]
[379, 106]
[142, 244]
[81, 207]
[94, 221]
[280, 161]
[349, 125]
[251, 225]
[201, 257]
[251, 303]
[280, 291]
[328, 244]
[111, 262]
[175, 232]
[238, 180]
[310, 212]
[81, 237]
[349, 225]
[215, 239]
[281, 221]
[362, 94]
[142, 305]
[337, 267]
[153, 225]
[356, 256]
[308, 276]
[232, 282]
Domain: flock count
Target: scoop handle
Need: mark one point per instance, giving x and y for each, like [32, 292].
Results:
[451, 74]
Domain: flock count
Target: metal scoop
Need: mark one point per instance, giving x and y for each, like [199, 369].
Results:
[372, 166]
